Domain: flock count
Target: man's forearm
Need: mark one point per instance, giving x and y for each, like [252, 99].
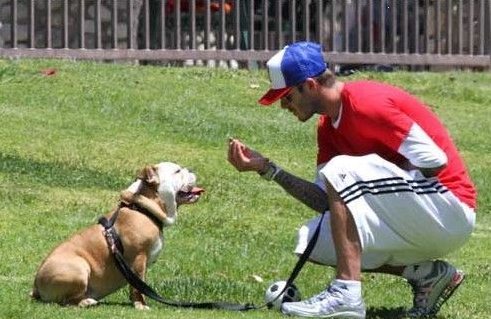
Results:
[306, 192]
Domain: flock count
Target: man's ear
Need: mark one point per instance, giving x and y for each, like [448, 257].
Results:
[149, 175]
[310, 84]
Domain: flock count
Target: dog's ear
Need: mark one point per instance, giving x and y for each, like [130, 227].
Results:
[149, 175]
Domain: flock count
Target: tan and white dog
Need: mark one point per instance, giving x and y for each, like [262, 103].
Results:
[82, 270]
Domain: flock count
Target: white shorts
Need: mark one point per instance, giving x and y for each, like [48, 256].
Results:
[402, 217]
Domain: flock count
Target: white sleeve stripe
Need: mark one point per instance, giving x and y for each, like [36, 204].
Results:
[421, 150]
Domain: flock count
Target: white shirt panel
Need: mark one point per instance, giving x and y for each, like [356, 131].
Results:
[421, 150]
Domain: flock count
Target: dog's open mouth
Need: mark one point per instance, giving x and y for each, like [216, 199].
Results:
[190, 196]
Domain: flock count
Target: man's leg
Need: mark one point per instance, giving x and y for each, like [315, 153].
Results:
[345, 238]
[342, 298]
[432, 282]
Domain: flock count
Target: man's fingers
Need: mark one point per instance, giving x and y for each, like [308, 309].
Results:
[239, 155]
[235, 156]
[230, 152]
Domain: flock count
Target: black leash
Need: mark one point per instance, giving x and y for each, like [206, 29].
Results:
[301, 260]
[116, 248]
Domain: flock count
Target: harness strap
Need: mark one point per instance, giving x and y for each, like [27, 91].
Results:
[112, 237]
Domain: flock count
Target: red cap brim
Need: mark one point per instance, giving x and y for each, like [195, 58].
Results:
[274, 95]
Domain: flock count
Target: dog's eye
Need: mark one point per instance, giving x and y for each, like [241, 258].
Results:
[177, 171]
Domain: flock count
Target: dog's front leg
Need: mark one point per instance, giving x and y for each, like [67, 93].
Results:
[140, 268]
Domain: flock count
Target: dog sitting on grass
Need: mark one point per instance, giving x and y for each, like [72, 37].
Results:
[82, 270]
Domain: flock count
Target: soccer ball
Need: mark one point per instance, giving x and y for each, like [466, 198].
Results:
[290, 294]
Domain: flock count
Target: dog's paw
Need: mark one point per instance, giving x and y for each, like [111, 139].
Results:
[140, 306]
[87, 302]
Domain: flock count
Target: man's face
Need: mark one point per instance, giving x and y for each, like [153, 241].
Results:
[295, 102]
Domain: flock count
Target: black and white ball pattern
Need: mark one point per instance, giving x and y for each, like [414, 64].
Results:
[290, 294]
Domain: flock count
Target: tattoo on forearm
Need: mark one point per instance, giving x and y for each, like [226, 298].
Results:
[306, 192]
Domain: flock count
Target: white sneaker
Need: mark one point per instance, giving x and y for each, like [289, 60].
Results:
[330, 303]
[433, 290]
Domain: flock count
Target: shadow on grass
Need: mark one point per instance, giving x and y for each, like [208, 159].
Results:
[372, 313]
[58, 174]
[127, 304]
[386, 313]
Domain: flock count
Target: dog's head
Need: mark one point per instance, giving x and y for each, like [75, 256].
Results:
[167, 184]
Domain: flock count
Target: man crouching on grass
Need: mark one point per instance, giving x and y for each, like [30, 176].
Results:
[395, 191]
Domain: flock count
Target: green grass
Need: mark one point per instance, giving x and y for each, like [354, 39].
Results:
[70, 142]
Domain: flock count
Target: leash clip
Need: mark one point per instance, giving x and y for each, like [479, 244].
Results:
[108, 234]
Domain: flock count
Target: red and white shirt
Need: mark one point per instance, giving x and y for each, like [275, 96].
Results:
[385, 120]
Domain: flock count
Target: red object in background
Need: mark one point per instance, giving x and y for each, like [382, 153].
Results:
[200, 6]
[50, 71]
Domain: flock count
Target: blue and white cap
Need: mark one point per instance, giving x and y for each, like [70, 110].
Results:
[292, 66]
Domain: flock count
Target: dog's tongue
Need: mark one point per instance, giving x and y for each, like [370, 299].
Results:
[197, 190]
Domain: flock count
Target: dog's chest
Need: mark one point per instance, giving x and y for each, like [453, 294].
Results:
[156, 249]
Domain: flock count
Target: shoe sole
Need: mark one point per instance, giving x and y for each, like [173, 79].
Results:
[447, 292]
[345, 315]
[339, 315]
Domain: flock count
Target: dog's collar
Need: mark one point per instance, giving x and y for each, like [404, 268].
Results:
[144, 211]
